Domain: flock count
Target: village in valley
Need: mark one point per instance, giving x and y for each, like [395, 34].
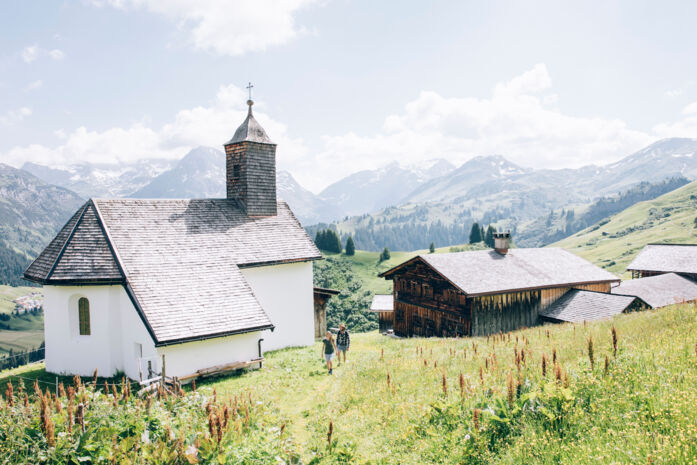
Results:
[467, 309]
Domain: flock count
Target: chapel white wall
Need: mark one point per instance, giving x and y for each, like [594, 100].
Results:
[119, 341]
[285, 292]
[185, 359]
[115, 329]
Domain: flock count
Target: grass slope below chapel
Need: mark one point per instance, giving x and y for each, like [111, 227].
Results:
[643, 406]
[615, 241]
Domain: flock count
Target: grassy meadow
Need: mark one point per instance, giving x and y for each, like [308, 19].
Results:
[23, 332]
[615, 241]
[450, 401]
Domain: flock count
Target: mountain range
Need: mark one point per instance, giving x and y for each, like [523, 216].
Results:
[31, 211]
[201, 174]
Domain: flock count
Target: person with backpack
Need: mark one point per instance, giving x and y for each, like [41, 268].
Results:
[328, 349]
[343, 341]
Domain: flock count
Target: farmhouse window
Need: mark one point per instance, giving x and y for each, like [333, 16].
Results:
[235, 171]
[83, 306]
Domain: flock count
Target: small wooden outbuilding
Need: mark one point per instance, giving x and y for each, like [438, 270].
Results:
[322, 295]
[660, 290]
[383, 305]
[655, 259]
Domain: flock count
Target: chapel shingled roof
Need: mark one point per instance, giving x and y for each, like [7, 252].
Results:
[577, 305]
[660, 290]
[483, 272]
[179, 260]
[666, 258]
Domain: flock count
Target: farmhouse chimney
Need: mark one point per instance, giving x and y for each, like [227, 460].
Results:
[250, 159]
[501, 241]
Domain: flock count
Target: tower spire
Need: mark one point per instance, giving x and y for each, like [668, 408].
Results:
[250, 102]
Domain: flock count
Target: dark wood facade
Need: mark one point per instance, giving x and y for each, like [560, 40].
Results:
[385, 321]
[426, 304]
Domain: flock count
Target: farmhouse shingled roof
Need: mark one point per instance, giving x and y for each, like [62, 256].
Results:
[667, 258]
[660, 290]
[382, 303]
[577, 305]
[250, 130]
[483, 272]
[179, 260]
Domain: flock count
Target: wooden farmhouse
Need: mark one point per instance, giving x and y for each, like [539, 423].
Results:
[206, 283]
[655, 259]
[488, 291]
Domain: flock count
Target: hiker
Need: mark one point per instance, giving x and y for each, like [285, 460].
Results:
[343, 341]
[328, 348]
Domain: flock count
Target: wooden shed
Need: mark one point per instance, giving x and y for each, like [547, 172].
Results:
[487, 291]
[656, 259]
[321, 296]
[383, 305]
[660, 290]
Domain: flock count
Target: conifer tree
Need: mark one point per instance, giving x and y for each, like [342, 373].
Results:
[432, 248]
[489, 238]
[350, 247]
[475, 234]
[385, 254]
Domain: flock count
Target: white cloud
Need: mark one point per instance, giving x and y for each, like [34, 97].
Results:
[210, 126]
[34, 85]
[56, 54]
[685, 127]
[30, 53]
[15, 116]
[227, 27]
[519, 120]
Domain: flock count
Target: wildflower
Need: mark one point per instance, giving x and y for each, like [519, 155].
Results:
[467, 437]
[475, 418]
[544, 365]
[191, 452]
[554, 355]
[607, 366]
[444, 382]
[330, 432]
[614, 341]
[510, 388]
[145, 437]
[462, 385]
[590, 351]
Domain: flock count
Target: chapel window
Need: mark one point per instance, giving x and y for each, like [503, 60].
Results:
[83, 306]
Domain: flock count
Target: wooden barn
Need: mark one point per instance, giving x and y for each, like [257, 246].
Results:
[487, 291]
[656, 259]
[383, 305]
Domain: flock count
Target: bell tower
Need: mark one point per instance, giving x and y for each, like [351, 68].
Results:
[250, 159]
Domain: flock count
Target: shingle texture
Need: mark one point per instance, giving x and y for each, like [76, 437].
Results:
[181, 258]
[661, 290]
[87, 256]
[577, 306]
[488, 272]
[382, 303]
[250, 131]
[666, 258]
[41, 267]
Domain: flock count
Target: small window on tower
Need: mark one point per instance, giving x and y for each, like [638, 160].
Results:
[235, 171]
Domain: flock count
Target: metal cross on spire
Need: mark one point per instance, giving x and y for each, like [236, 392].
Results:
[249, 88]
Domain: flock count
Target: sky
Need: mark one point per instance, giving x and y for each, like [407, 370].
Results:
[346, 85]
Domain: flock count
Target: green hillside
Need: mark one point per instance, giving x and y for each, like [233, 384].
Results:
[401, 401]
[615, 241]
